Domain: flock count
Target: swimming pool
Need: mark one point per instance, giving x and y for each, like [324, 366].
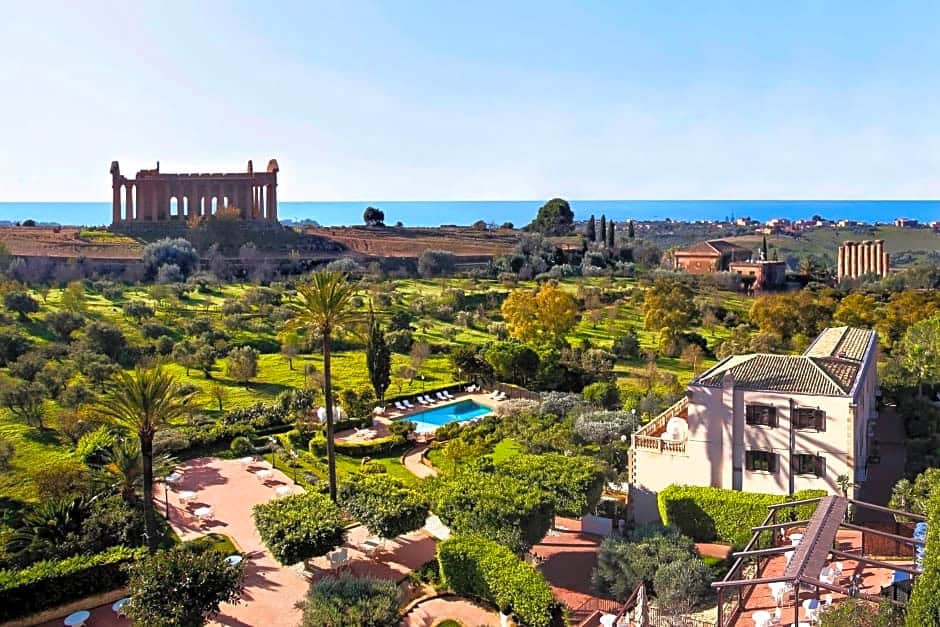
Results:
[430, 419]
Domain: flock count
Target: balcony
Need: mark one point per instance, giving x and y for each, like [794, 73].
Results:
[655, 435]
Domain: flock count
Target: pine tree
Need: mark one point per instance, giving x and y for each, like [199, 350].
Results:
[591, 232]
[610, 234]
[603, 230]
[631, 231]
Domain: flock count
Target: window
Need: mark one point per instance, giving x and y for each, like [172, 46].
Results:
[809, 418]
[761, 460]
[763, 415]
[806, 464]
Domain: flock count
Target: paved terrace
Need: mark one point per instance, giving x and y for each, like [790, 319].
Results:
[231, 489]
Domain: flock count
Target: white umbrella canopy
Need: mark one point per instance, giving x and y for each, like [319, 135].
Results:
[338, 413]
[641, 611]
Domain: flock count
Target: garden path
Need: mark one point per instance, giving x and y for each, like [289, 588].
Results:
[431, 611]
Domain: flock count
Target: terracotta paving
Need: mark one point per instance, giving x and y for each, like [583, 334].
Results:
[760, 598]
[433, 610]
[231, 489]
[568, 557]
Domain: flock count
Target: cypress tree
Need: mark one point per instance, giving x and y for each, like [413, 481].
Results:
[610, 234]
[763, 247]
[603, 230]
[591, 232]
[378, 357]
[631, 232]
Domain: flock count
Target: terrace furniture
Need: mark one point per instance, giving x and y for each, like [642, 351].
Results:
[448, 395]
[494, 394]
[421, 400]
[118, 606]
[761, 618]
[408, 404]
[796, 538]
[441, 396]
[246, 461]
[203, 512]
[264, 474]
[400, 407]
[186, 496]
[77, 619]
[283, 490]
[338, 558]
[173, 478]
[778, 590]
[233, 560]
[470, 389]
[379, 411]
[811, 607]
[607, 620]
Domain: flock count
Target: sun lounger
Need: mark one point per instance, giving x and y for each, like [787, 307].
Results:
[448, 395]
[501, 397]
[408, 404]
[378, 411]
[493, 394]
[400, 407]
[470, 389]
[425, 400]
[441, 396]
[421, 400]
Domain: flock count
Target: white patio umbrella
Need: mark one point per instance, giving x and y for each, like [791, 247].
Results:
[338, 413]
[641, 611]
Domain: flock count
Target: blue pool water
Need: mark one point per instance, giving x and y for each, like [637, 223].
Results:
[431, 419]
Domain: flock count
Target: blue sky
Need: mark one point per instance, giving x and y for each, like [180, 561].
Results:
[403, 100]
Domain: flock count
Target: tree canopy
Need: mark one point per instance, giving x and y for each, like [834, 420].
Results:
[373, 217]
[545, 315]
[554, 218]
[300, 526]
[384, 505]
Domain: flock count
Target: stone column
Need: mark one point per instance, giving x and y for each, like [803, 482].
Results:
[129, 202]
[115, 201]
[885, 264]
[840, 266]
[272, 203]
[879, 254]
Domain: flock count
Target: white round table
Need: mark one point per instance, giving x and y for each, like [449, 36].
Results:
[247, 461]
[284, 490]
[233, 560]
[264, 474]
[761, 618]
[203, 512]
[796, 538]
[77, 619]
[186, 495]
[607, 620]
[174, 477]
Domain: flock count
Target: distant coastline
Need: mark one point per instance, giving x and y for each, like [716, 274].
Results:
[520, 212]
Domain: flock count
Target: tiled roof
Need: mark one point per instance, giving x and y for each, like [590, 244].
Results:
[713, 247]
[829, 367]
[842, 342]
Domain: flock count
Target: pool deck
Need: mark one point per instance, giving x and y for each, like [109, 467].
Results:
[380, 423]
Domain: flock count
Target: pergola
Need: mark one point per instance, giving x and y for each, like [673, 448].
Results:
[810, 555]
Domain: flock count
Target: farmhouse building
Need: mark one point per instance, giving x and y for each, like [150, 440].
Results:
[715, 255]
[765, 423]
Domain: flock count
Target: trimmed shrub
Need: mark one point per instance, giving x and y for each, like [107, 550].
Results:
[498, 507]
[384, 505]
[476, 566]
[924, 608]
[351, 602]
[573, 483]
[707, 514]
[50, 583]
[240, 446]
[299, 526]
[372, 448]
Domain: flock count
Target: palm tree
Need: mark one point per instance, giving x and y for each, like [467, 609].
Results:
[326, 309]
[145, 402]
[124, 469]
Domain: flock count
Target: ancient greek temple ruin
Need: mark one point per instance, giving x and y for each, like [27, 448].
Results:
[154, 196]
[857, 259]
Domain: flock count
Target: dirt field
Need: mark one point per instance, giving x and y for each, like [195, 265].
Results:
[411, 242]
[68, 242]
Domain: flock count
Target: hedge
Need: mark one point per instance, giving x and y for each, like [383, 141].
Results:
[574, 483]
[924, 607]
[475, 566]
[371, 448]
[54, 582]
[300, 526]
[706, 514]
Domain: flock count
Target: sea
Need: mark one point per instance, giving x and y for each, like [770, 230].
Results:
[520, 212]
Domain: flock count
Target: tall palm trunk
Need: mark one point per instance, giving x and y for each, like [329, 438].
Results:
[328, 395]
[146, 458]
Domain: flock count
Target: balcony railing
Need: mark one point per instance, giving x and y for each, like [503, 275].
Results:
[649, 436]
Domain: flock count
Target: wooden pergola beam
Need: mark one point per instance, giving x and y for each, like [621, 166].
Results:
[873, 562]
[774, 550]
[794, 503]
[888, 510]
[785, 525]
[884, 534]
